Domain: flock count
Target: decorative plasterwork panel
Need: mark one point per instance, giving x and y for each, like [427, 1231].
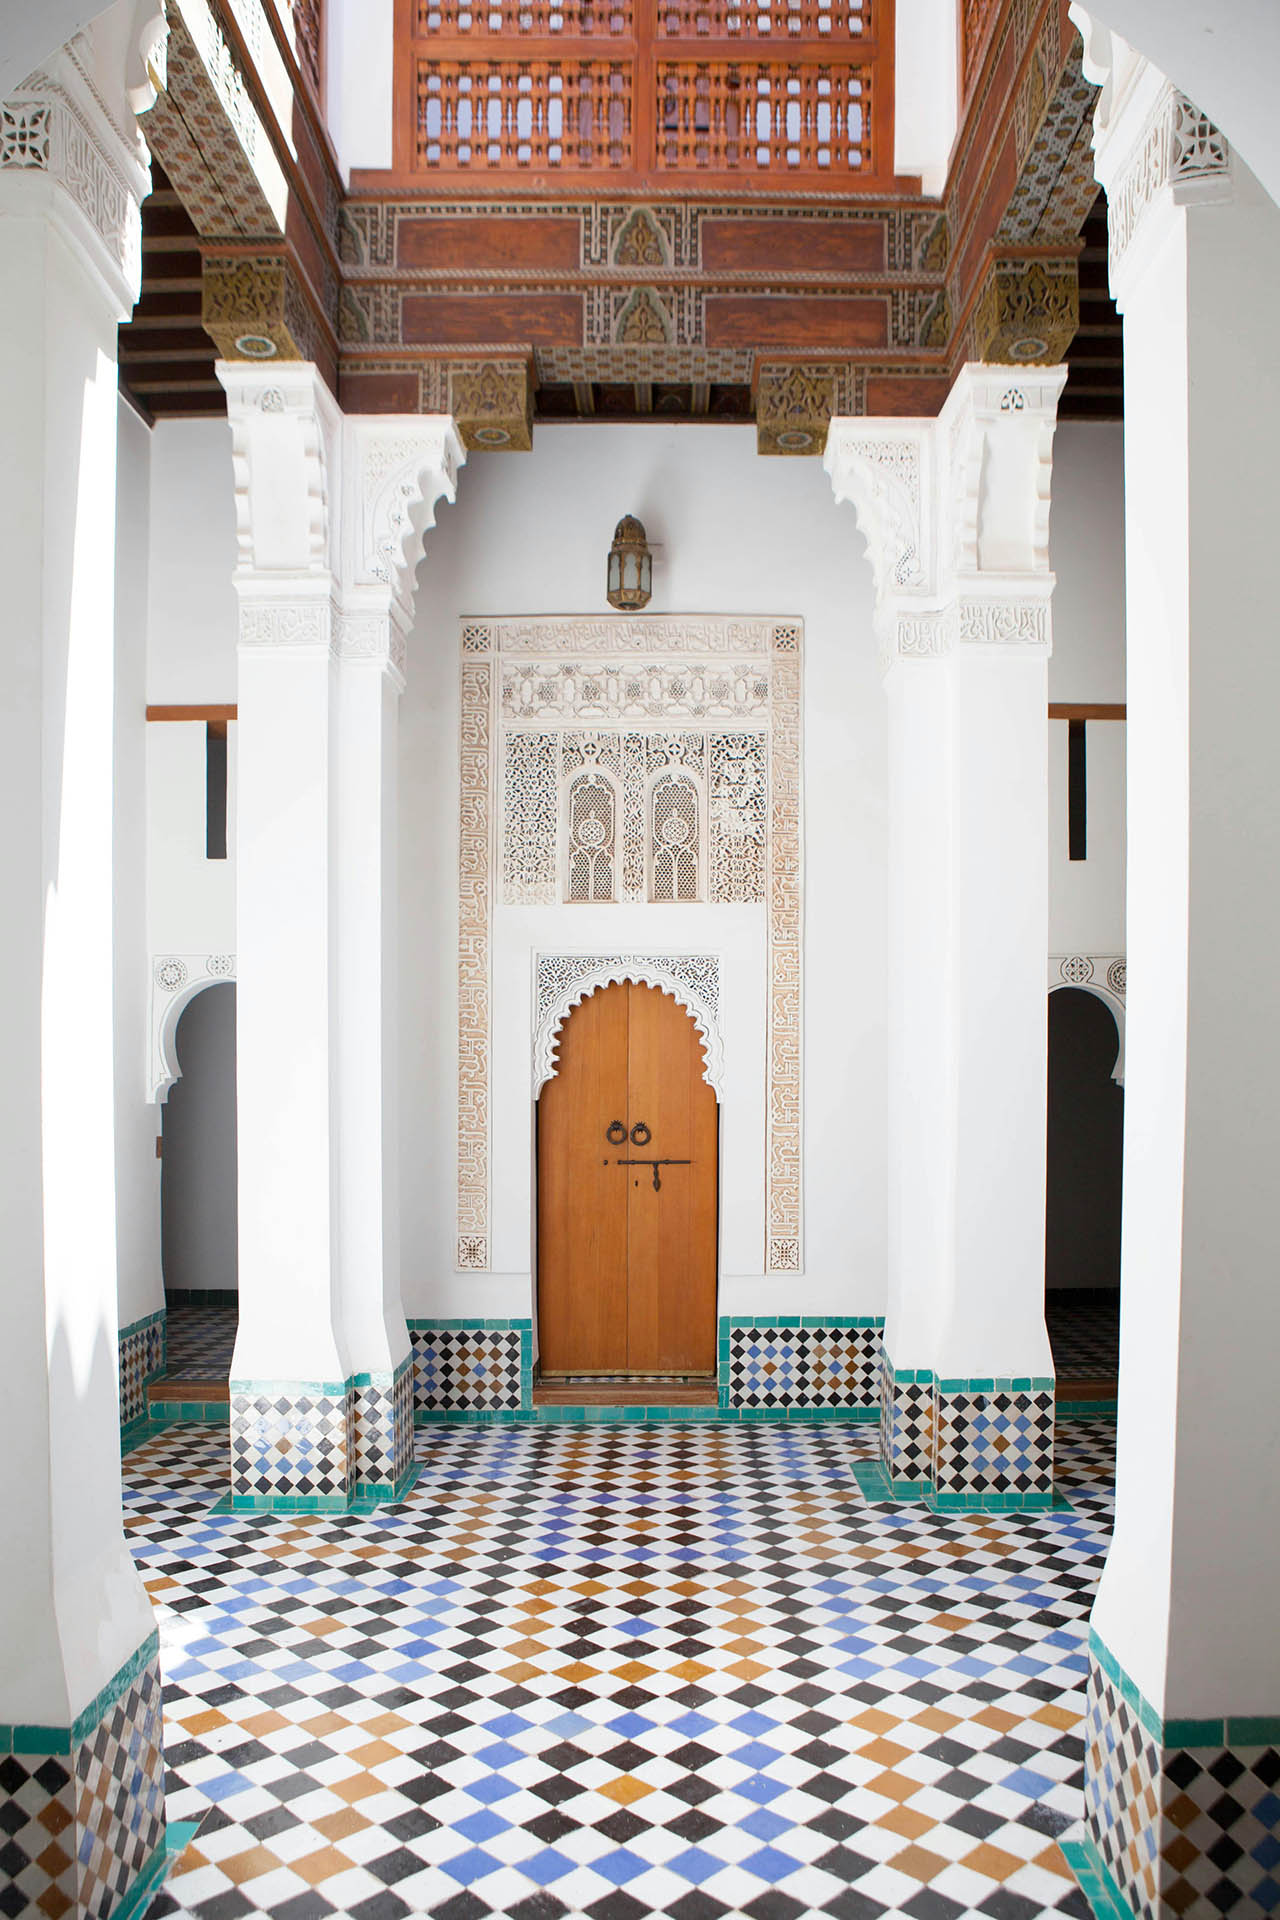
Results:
[176, 979]
[563, 980]
[1101, 974]
[717, 697]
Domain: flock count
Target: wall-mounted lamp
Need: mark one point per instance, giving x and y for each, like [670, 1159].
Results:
[630, 566]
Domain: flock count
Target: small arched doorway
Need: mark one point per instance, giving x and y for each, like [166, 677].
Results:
[627, 1195]
[198, 1208]
[1085, 1161]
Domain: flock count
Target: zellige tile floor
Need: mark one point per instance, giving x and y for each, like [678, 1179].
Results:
[621, 1672]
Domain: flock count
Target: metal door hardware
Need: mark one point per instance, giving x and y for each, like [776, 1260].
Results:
[640, 1134]
[655, 1164]
[616, 1133]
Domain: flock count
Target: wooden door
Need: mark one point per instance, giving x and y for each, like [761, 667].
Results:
[627, 1267]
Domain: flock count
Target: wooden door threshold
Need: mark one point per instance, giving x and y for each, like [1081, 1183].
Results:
[626, 1393]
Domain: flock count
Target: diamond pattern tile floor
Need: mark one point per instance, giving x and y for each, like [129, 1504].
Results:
[1084, 1333]
[200, 1342]
[619, 1672]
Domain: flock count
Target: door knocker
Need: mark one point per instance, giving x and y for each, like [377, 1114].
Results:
[616, 1133]
[640, 1135]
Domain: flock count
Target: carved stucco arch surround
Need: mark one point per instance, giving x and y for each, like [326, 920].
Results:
[563, 981]
[176, 979]
[1104, 976]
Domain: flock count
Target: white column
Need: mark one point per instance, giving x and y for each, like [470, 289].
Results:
[955, 512]
[1185, 1654]
[331, 517]
[76, 1627]
[395, 470]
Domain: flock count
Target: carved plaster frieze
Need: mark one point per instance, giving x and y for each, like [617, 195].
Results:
[290, 624]
[1149, 140]
[564, 980]
[1002, 623]
[72, 123]
[635, 634]
[639, 690]
[1179, 149]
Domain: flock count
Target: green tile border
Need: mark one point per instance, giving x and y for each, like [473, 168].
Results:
[140, 1326]
[148, 1881]
[1094, 1880]
[593, 1416]
[1232, 1730]
[37, 1739]
[517, 1325]
[295, 1389]
[173, 1413]
[134, 1434]
[838, 1322]
[881, 1490]
[368, 1495]
[1087, 1409]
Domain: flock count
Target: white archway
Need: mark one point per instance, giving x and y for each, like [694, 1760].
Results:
[176, 979]
[1104, 976]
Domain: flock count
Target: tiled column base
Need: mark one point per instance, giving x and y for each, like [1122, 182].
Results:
[472, 1366]
[906, 1427]
[965, 1444]
[142, 1358]
[818, 1362]
[382, 1423]
[82, 1808]
[292, 1446]
[1184, 1814]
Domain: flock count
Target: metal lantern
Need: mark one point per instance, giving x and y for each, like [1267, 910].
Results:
[630, 566]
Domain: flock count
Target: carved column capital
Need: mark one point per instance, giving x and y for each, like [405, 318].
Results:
[285, 440]
[330, 511]
[397, 469]
[1152, 145]
[70, 146]
[955, 512]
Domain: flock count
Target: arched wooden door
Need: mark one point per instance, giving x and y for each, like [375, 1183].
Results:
[627, 1247]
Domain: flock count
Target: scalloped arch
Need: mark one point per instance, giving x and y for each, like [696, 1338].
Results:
[607, 973]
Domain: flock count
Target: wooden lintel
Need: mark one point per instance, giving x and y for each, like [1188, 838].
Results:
[211, 715]
[1095, 710]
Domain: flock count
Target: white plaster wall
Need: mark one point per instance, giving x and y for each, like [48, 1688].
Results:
[191, 654]
[735, 534]
[1086, 549]
[141, 1288]
[926, 89]
[359, 48]
[192, 620]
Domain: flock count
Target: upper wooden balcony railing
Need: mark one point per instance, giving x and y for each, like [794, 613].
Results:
[659, 94]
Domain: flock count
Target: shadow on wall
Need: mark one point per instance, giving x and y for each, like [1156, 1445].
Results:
[198, 1169]
[1085, 1143]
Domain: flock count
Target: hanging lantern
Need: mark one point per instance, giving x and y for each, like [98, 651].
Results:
[630, 566]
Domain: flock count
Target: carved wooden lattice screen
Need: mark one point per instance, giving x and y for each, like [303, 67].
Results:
[781, 93]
